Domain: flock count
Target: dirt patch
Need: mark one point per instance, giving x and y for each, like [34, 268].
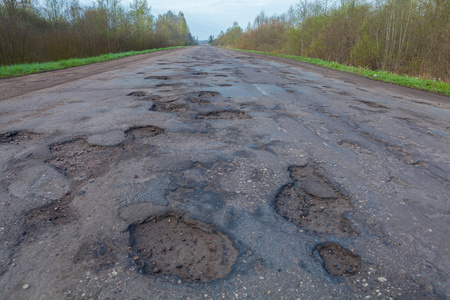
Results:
[312, 203]
[57, 212]
[143, 132]
[224, 114]
[78, 159]
[17, 137]
[176, 245]
[337, 260]
[97, 254]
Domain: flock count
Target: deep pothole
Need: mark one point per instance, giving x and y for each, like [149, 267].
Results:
[223, 114]
[337, 260]
[177, 245]
[312, 203]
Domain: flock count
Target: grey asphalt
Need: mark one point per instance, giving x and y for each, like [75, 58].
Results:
[230, 126]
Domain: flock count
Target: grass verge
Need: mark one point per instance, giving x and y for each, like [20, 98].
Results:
[434, 86]
[25, 69]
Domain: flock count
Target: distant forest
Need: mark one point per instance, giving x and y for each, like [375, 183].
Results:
[402, 36]
[63, 29]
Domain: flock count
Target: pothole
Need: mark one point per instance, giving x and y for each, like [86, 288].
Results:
[169, 107]
[224, 114]
[311, 202]
[140, 132]
[158, 77]
[97, 254]
[225, 84]
[221, 75]
[199, 73]
[79, 159]
[207, 94]
[372, 104]
[169, 85]
[16, 137]
[187, 248]
[137, 94]
[57, 212]
[337, 260]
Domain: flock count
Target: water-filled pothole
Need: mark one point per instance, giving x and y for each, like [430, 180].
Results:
[337, 260]
[177, 245]
[224, 114]
[312, 203]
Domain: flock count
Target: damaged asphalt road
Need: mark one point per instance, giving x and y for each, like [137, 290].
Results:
[209, 173]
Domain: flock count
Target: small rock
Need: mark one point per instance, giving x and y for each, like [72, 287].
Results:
[135, 176]
[135, 258]
[25, 286]
[156, 270]
[67, 193]
[212, 247]
[382, 279]
[81, 193]
[178, 266]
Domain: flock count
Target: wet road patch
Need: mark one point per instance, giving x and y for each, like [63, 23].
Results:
[337, 260]
[312, 203]
[177, 245]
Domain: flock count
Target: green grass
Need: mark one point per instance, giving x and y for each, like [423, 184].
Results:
[24, 69]
[431, 85]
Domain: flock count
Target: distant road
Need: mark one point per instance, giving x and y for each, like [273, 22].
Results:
[209, 173]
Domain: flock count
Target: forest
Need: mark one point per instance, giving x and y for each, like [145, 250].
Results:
[64, 29]
[402, 36]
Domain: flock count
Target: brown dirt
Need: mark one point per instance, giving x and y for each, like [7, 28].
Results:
[311, 202]
[176, 245]
[337, 260]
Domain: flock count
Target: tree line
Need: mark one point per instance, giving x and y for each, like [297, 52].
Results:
[63, 29]
[402, 36]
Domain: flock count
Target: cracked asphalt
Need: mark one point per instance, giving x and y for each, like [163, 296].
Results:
[205, 173]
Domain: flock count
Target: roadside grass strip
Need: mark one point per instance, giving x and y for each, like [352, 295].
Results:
[25, 69]
[431, 85]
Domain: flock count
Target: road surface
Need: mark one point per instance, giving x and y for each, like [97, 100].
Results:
[205, 173]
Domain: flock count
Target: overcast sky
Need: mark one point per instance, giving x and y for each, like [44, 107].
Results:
[209, 17]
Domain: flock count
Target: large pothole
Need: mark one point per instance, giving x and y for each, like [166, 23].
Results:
[177, 245]
[337, 260]
[312, 203]
[17, 136]
[78, 159]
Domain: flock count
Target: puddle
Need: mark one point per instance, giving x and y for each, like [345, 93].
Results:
[187, 248]
[311, 202]
[224, 114]
[337, 260]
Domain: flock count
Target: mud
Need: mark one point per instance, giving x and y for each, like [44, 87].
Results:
[312, 203]
[337, 260]
[176, 245]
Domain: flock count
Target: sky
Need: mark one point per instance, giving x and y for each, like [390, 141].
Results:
[209, 17]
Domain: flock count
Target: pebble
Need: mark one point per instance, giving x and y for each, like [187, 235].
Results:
[382, 279]
[25, 286]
